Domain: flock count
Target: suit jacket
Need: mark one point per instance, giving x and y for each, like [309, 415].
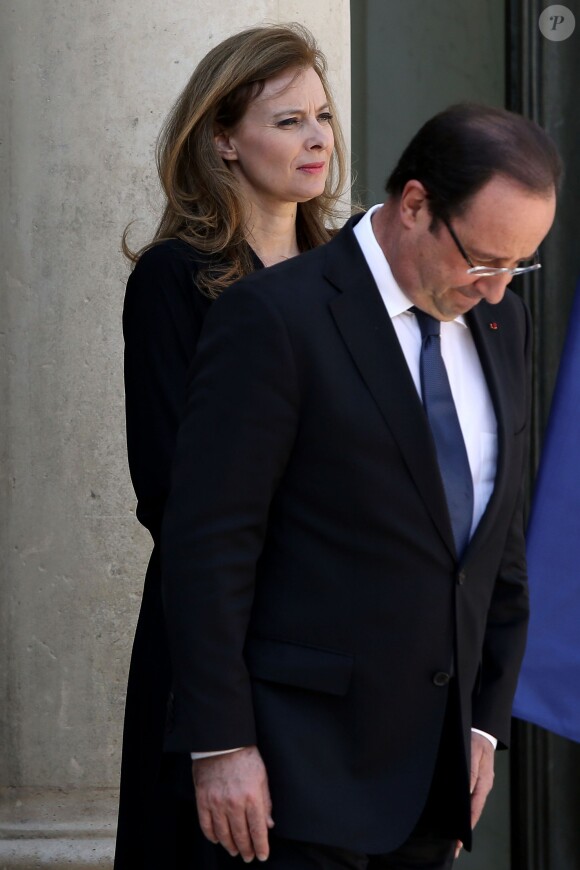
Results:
[315, 603]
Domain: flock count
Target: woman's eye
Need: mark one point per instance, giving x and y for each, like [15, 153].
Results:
[323, 118]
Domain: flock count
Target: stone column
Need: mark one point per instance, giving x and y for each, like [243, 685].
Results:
[85, 87]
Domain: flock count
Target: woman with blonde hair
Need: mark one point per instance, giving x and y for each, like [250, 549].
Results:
[252, 165]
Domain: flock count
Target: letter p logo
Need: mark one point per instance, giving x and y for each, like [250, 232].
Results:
[557, 23]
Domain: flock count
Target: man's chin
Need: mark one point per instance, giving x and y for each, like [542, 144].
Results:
[457, 307]
[465, 300]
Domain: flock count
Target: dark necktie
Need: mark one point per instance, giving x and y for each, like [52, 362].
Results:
[442, 415]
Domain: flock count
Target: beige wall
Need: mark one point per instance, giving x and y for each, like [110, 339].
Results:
[85, 87]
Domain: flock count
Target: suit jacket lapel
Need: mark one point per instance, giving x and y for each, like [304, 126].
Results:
[366, 328]
[491, 362]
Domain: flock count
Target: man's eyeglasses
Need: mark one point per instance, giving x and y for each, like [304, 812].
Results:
[489, 271]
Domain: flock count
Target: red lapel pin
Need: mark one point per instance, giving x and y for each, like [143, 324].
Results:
[493, 325]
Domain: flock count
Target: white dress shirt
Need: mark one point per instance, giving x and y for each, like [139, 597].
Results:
[466, 378]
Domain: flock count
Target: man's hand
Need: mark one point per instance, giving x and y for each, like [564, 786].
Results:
[233, 802]
[482, 760]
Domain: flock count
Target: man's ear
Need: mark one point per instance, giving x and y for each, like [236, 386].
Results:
[225, 146]
[414, 203]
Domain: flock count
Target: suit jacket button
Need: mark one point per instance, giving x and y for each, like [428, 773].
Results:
[461, 577]
[441, 678]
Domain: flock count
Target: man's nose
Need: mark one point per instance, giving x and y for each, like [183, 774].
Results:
[493, 288]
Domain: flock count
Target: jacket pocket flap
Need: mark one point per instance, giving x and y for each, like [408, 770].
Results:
[306, 667]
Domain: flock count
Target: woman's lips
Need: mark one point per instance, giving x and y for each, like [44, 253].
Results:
[312, 168]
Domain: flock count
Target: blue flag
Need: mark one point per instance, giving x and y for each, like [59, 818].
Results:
[548, 691]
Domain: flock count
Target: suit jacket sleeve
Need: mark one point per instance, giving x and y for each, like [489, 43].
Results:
[233, 445]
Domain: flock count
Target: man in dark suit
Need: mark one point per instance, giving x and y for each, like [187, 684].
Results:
[344, 653]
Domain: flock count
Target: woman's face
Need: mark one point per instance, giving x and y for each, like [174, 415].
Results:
[280, 150]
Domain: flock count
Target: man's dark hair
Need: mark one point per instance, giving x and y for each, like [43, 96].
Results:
[460, 149]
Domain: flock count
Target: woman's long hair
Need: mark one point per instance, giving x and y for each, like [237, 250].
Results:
[203, 201]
